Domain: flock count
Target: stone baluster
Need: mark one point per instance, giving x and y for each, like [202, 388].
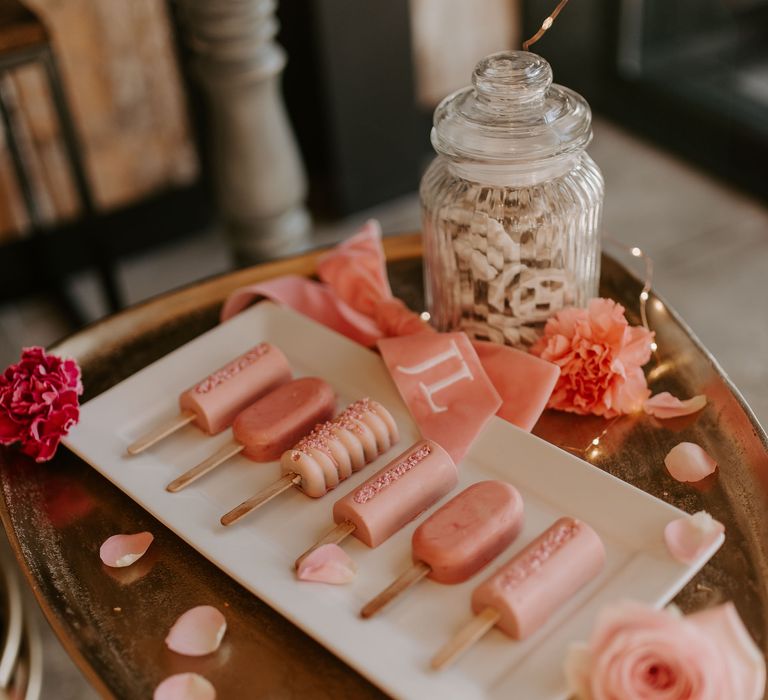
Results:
[257, 169]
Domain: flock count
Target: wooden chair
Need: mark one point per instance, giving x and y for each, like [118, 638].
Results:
[24, 39]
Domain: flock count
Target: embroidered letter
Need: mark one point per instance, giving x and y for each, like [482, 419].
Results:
[428, 391]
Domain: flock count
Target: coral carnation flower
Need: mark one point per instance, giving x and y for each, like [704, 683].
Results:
[600, 358]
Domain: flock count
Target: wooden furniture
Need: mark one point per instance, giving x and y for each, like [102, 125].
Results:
[256, 168]
[24, 39]
[113, 621]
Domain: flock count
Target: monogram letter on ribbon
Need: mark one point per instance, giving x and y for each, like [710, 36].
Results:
[429, 390]
[444, 385]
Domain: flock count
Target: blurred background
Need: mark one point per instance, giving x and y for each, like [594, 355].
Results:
[148, 144]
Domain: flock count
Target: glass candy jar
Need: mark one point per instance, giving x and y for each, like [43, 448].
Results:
[511, 205]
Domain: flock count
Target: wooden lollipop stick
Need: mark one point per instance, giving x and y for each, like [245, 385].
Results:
[465, 638]
[337, 534]
[282, 484]
[217, 458]
[160, 431]
[411, 576]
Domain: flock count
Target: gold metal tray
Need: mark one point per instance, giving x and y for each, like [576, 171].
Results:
[113, 622]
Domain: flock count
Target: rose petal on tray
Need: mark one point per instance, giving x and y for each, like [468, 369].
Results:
[328, 563]
[123, 550]
[197, 632]
[185, 686]
[689, 462]
[665, 405]
[689, 537]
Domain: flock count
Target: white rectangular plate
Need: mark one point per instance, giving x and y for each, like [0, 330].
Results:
[393, 649]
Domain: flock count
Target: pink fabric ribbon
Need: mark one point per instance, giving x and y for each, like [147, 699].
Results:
[354, 298]
[448, 392]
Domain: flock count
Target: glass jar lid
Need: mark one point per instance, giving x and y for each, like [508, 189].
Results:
[512, 114]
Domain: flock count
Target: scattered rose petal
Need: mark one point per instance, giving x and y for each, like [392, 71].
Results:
[197, 632]
[128, 575]
[123, 550]
[689, 462]
[689, 537]
[185, 686]
[664, 405]
[327, 564]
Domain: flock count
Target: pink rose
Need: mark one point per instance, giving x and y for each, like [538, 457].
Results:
[638, 653]
[600, 358]
[39, 402]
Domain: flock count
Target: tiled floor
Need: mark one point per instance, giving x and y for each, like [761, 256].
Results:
[709, 244]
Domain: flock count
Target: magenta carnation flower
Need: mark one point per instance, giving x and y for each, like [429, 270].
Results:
[39, 402]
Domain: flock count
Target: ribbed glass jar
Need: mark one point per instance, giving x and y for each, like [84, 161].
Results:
[511, 205]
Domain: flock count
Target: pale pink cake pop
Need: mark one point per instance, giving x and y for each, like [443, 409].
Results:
[469, 531]
[339, 447]
[542, 577]
[459, 539]
[278, 420]
[398, 493]
[218, 398]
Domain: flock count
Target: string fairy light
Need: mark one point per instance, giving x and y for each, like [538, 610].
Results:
[545, 25]
[635, 251]
[592, 449]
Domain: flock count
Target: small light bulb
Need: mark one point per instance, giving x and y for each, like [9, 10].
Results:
[636, 252]
[643, 296]
[596, 442]
[425, 316]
